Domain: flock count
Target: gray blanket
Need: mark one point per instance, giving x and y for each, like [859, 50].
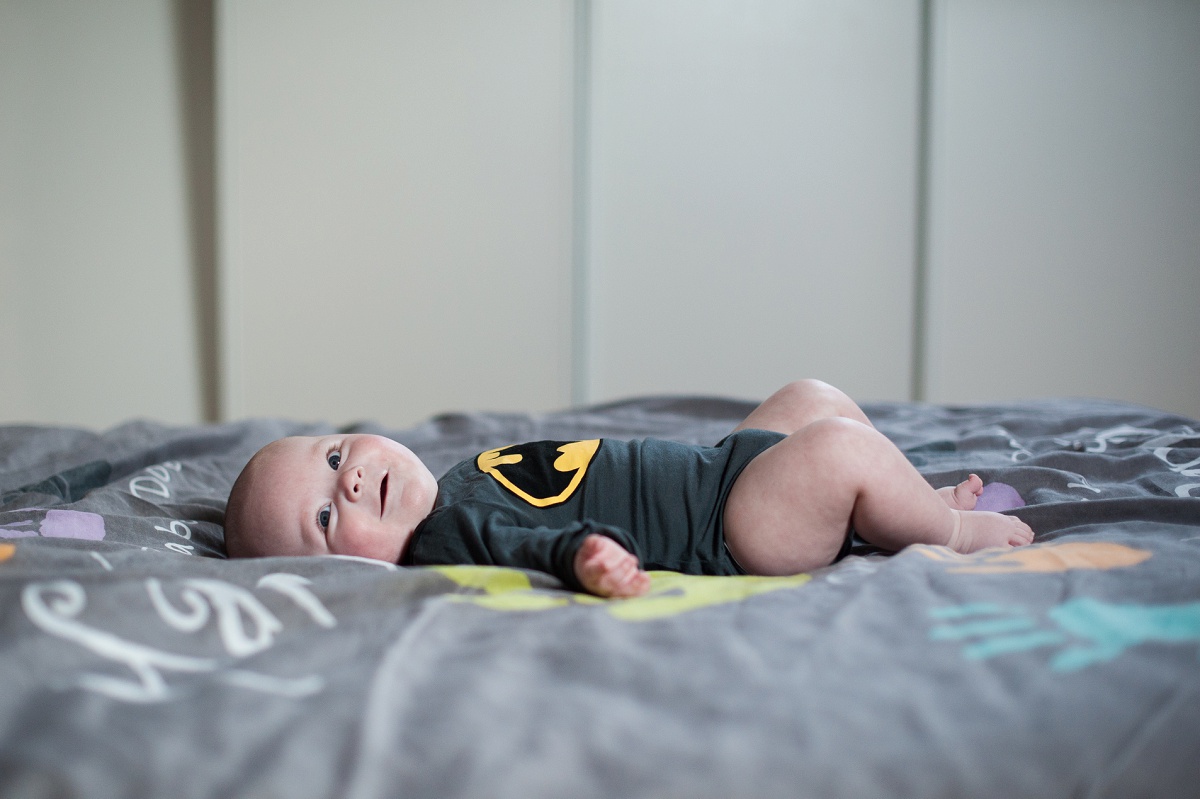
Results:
[136, 661]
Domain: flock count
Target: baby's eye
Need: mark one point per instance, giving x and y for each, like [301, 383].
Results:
[323, 517]
[334, 459]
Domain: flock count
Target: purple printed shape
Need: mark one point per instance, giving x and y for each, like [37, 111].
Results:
[999, 496]
[73, 524]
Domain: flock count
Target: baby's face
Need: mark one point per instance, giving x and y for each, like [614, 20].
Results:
[343, 495]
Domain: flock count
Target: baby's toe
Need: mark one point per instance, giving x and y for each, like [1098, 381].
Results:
[1021, 534]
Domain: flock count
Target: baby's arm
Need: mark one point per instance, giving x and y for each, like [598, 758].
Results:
[606, 568]
[584, 555]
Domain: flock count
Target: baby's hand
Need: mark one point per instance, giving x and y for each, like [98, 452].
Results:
[607, 569]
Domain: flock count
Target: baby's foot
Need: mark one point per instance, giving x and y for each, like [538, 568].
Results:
[980, 529]
[964, 495]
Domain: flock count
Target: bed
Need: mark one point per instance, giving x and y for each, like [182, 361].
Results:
[137, 661]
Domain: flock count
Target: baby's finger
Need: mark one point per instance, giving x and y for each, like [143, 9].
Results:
[616, 572]
[633, 582]
[639, 583]
[608, 574]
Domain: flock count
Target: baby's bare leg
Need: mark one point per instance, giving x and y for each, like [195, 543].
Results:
[792, 506]
[799, 404]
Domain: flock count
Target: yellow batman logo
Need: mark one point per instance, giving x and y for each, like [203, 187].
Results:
[543, 473]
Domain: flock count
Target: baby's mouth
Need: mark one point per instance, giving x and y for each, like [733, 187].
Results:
[383, 495]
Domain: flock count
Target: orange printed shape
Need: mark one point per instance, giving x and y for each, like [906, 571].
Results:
[1041, 558]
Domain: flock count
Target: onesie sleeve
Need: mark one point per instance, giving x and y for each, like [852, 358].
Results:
[495, 541]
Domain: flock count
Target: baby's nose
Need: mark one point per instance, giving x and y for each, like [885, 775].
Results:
[352, 483]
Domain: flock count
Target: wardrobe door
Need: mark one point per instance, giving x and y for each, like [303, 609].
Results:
[98, 322]
[750, 202]
[396, 207]
[1065, 202]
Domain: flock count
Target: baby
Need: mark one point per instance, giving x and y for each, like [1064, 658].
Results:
[780, 495]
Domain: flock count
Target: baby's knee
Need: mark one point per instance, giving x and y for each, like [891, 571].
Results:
[807, 389]
[835, 432]
[842, 447]
[815, 396]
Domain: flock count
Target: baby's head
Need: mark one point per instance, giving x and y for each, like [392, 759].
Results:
[341, 495]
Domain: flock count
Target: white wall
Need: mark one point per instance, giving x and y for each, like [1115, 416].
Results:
[96, 313]
[519, 205]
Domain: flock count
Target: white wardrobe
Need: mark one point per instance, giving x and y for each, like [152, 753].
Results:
[425, 207]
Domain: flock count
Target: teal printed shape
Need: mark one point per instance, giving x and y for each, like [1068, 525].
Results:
[1112, 629]
[1090, 631]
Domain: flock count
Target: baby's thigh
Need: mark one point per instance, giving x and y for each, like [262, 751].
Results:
[789, 510]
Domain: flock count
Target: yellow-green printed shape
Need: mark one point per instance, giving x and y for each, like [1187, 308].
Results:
[670, 593]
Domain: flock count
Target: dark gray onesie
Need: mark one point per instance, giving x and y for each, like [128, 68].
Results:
[530, 505]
